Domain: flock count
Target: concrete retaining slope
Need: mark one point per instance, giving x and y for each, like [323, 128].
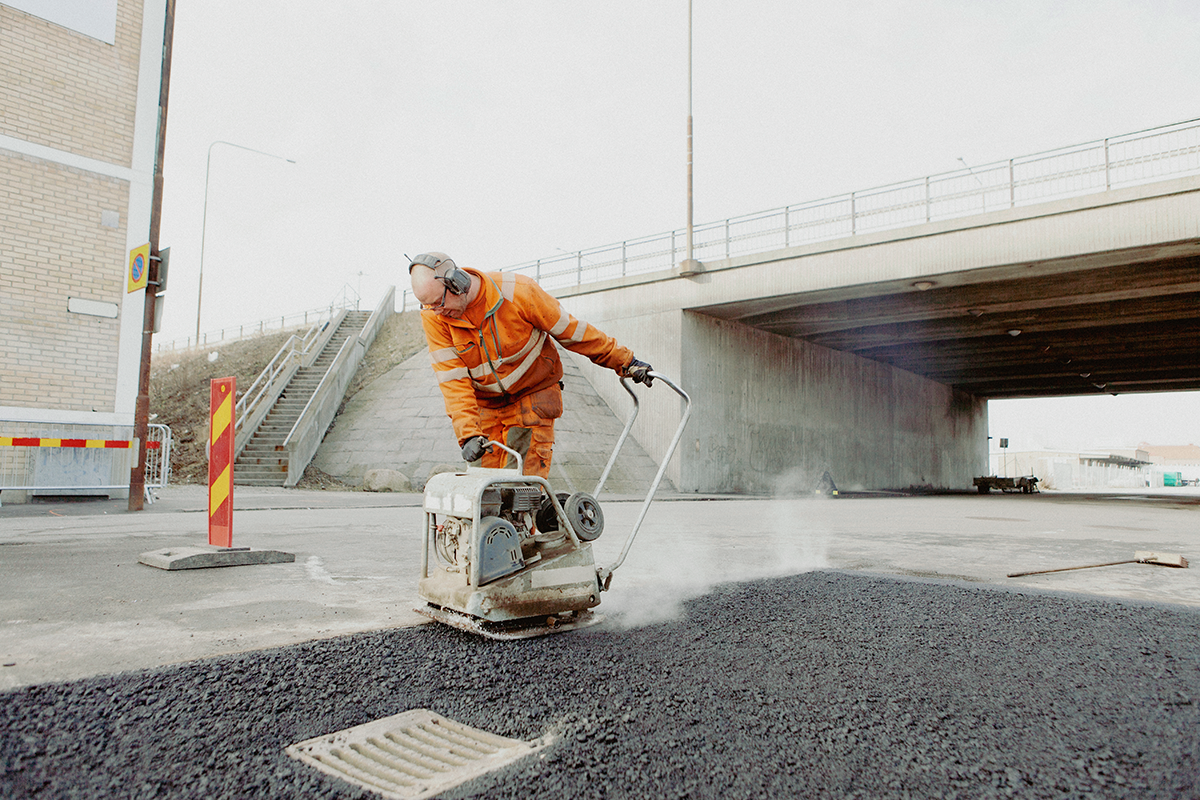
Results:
[399, 422]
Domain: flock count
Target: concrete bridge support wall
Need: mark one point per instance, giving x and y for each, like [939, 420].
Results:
[655, 337]
[772, 414]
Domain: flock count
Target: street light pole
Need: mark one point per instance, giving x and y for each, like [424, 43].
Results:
[690, 265]
[204, 219]
[689, 137]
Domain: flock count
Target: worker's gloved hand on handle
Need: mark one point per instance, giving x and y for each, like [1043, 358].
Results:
[474, 448]
[639, 371]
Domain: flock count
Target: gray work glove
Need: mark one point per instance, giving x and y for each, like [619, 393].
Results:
[639, 371]
[474, 448]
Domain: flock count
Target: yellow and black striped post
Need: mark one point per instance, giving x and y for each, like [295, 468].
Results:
[220, 462]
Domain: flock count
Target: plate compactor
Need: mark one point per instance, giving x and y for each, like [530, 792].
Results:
[505, 557]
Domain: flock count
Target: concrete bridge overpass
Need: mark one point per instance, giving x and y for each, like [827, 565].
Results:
[872, 356]
[1098, 294]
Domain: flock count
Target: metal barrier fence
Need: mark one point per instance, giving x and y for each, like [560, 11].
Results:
[158, 459]
[1118, 161]
[348, 298]
[81, 459]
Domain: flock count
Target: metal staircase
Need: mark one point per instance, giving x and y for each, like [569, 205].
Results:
[264, 461]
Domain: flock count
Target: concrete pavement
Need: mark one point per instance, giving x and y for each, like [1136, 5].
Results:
[75, 601]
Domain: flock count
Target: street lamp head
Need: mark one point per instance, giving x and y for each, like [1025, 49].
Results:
[204, 219]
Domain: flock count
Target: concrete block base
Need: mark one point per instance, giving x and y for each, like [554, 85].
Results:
[13, 496]
[204, 556]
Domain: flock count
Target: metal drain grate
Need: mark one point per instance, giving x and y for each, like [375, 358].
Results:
[412, 755]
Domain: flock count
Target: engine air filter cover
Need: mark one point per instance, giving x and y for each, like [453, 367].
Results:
[500, 549]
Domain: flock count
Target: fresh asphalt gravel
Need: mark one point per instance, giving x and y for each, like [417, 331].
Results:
[824, 684]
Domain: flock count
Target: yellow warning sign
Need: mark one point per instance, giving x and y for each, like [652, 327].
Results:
[139, 267]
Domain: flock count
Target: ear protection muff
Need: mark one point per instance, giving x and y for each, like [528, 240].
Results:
[456, 281]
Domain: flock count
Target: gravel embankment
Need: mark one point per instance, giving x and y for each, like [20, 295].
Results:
[820, 685]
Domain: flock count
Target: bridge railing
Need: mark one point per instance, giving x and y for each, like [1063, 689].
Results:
[1118, 161]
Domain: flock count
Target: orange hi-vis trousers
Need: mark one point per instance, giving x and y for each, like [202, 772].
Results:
[526, 426]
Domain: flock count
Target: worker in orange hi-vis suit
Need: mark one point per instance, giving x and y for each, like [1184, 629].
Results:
[491, 338]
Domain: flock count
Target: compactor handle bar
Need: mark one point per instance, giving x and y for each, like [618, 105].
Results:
[520, 463]
[605, 574]
[621, 440]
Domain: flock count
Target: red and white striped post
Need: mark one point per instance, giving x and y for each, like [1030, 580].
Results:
[220, 462]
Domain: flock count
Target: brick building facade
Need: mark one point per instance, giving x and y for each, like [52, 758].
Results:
[78, 127]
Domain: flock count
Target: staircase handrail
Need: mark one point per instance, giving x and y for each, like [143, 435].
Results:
[253, 408]
[253, 396]
[385, 309]
[296, 352]
[306, 434]
[312, 350]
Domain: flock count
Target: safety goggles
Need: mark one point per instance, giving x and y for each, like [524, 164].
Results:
[441, 304]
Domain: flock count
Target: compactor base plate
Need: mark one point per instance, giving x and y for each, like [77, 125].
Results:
[511, 629]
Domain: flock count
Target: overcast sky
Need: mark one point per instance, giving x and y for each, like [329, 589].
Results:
[501, 132]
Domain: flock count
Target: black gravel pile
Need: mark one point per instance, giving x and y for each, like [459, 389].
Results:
[819, 685]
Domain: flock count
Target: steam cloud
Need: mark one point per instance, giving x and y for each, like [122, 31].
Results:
[684, 549]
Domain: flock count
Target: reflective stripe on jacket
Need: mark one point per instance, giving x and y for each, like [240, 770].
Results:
[503, 347]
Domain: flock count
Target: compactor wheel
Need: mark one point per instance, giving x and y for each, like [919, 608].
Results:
[585, 515]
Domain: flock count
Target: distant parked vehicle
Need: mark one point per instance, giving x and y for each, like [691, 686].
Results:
[1026, 484]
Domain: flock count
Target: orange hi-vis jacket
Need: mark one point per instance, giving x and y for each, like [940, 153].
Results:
[503, 347]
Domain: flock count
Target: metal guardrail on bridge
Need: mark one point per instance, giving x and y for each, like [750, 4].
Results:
[1118, 161]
